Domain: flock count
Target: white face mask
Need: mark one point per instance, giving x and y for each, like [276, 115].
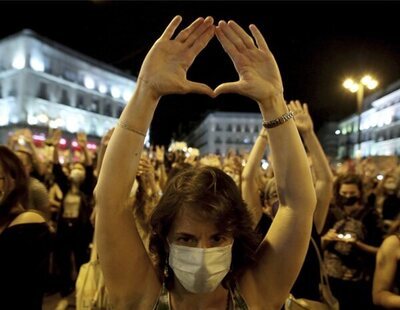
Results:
[200, 270]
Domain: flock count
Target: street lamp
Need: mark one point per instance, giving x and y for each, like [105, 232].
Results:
[358, 87]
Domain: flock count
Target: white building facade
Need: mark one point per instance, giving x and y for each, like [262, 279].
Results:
[46, 85]
[221, 132]
[380, 126]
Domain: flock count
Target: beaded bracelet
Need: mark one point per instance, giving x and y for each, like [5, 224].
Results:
[278, 121]
[125, 126]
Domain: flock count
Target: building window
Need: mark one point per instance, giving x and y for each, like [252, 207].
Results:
[229, 141]
[43, 92]
[256, 128]
[218, 128]
[1, 91]
[218, 152]
[238, 128]
[218, 140]
[108, 109]
[80, 102]
[229, 128]
[64, 97]
[246, 128]
[70, 76]
[119, 111]
[94, 106]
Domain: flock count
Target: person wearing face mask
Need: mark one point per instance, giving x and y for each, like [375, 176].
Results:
[74, 229]
[202, 238]
[351, 244]
[25, 240]
[387, 200]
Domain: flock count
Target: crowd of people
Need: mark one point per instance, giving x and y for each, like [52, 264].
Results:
[175, 230]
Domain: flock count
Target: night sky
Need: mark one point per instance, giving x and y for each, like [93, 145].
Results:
[316, 45]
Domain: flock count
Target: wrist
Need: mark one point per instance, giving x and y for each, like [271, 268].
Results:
[273, 107]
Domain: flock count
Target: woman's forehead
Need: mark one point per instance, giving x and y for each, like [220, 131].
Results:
[189, 220]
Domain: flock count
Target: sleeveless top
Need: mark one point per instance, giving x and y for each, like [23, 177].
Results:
[235, 300]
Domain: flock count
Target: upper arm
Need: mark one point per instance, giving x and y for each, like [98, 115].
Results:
[324, 192]
[386, 264]
[252, 199]
[128, 272]
[280, 256]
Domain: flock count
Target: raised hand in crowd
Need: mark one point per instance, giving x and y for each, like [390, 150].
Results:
[320, 166]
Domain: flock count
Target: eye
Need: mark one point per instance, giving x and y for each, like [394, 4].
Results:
[218, 239]
[186, 240]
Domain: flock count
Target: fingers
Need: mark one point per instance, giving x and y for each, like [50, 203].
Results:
[200, 42]
[231, 35]
[261, 43]
[169, 31]
[227, 45]
[231, 87]
[199, 88]
[184, 34]
[246, 39]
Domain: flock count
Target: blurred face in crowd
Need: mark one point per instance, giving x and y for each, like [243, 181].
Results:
[26, 160]
[232, 173]
[6, 184]
[271, 199]
[390, 185]
[77, 174]
[349, 196]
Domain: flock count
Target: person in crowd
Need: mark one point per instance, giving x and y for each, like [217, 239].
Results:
[202, 234]
[24, 239]
[387, 199]
[351, 244]
[22, 143]
[307, 283]
[74, 230]
[386, 284]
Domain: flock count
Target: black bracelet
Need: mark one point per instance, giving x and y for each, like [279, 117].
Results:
[278, 121]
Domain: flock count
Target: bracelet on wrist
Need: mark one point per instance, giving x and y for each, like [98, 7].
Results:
[126, 127]
[278, 121]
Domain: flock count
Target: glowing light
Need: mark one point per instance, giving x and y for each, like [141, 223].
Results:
[115, 92]
[379, 177]
[43, 118]
[62, 141]
[354, 88]
[19, 62]
[37, 64]
[264, 164]
[103, 88]
[348, 83]
[89, 82]
[91, 146]
[372, 84]
[337, 132]
[74, 144]
[127, 95]
[38, 138]
[366, 80]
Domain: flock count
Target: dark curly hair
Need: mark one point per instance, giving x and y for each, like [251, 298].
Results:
[18, 196]
[214, 196]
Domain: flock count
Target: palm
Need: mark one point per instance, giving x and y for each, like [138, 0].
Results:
[168, 61]
[303, 122]
[259, 76]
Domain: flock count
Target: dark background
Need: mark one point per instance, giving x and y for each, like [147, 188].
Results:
[316, 44]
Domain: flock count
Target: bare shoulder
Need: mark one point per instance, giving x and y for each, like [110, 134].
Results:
[28, 217]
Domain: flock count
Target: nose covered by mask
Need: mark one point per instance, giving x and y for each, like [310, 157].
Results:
[77, 175]
[200, 270]
[348, 201]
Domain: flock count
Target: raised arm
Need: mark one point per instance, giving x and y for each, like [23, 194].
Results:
[281, 254]
[385, 272]
[324, 177]
[129, 275]
[249, 177]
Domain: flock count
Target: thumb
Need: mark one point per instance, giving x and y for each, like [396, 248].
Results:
[225, 88]
[199, 88]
